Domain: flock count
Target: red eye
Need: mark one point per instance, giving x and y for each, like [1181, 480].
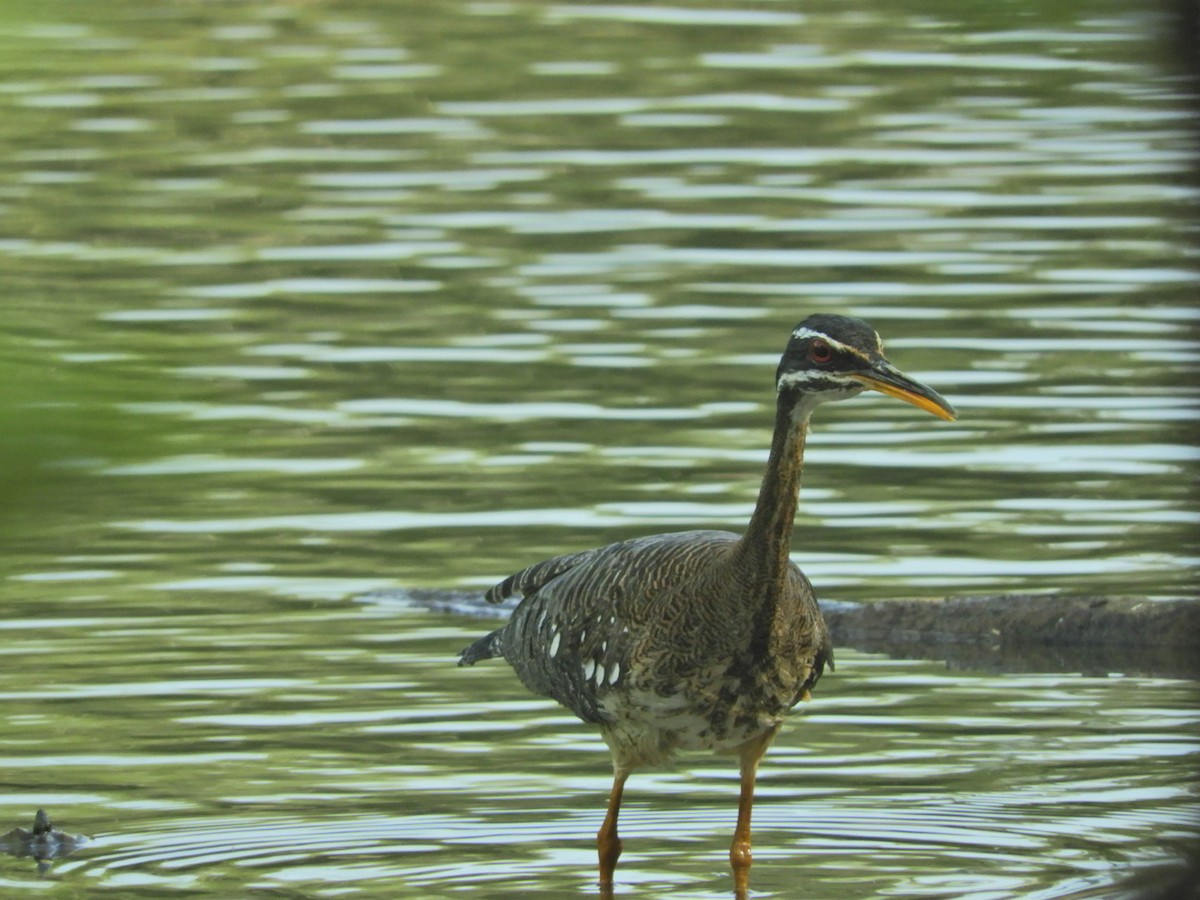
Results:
[820, 352]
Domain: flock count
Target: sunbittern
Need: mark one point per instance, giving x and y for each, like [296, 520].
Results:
[700, 639]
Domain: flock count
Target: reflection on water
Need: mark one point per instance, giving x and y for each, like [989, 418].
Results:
[290, 744]
[338, 264]
[302, 301]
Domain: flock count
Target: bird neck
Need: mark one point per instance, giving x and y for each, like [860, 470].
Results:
[763, 553]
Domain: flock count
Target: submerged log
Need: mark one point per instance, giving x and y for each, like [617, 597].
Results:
[1029, 632]
[996, 632]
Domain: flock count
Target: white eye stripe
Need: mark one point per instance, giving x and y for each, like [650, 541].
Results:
[803, 333]
[820, 380]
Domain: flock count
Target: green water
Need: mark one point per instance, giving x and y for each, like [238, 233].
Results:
[304, 300]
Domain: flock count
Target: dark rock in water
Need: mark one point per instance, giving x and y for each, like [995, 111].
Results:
[43, 843]
[999, 632]
[1029, 633]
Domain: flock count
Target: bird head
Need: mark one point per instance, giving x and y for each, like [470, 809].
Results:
[838, 357]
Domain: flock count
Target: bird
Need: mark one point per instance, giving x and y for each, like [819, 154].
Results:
[697, 640]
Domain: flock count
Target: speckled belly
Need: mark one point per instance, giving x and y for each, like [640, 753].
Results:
[646, 727]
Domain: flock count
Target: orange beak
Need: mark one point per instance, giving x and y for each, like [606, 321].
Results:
[887, 379]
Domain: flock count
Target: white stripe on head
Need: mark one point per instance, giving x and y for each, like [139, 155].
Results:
[804, 333]
[821, 381]
[816, 388]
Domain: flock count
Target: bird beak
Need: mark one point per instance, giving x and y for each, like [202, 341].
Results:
[887, 379]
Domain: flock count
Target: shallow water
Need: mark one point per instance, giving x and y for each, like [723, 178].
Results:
[329, 747]
[306, 300]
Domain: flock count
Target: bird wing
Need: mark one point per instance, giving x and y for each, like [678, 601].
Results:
[571, 636]
[533, 578]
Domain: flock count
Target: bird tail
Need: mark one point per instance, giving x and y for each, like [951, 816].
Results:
[487, 647]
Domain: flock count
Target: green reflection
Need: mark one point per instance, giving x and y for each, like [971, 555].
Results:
[305, 299]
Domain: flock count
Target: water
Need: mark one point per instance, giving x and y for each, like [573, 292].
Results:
[306, 300]
[326, 749]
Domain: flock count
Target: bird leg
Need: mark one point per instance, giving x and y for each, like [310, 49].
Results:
[740, 856]
[607, 842]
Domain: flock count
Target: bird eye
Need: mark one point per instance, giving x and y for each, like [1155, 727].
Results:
[820, 352]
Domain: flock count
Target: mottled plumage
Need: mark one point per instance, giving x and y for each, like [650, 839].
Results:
[653, 640]
[699, 639]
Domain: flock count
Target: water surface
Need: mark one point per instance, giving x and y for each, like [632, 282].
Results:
[329, 747]
[303, 301]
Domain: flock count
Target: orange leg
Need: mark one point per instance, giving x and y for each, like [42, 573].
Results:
[740, 856]
[607, 842]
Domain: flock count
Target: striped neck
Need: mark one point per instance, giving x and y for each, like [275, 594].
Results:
[763, 553]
